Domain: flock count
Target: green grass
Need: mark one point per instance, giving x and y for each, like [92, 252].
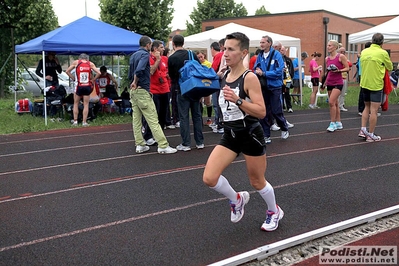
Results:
[11, 122]
[351, 98]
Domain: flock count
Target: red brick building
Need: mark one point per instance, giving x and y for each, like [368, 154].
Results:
[314, 28]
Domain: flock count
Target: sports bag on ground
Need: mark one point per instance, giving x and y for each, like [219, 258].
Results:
[196, 80]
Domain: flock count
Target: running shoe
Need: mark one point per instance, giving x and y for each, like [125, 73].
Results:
[200, 146]
[141, 149]
[275, 127]
[84, 124]
[150, 141]
[181, 147]
[332, 127]
[167, 150]
[362, 134]
[285, 134]
[272, 219]
[290, 110]
[339, 125]
[268, 140]
[289, 125]
[372, 138]
[237, 210]
[75, 123]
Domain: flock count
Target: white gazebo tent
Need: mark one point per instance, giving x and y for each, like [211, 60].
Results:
[390, 30]
[203, 40]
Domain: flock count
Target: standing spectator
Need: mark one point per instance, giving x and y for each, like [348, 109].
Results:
[85, 83]
[288, 74]
[243, 107]
[345, 75]
[296, 79]
[336, 64]
[202, 58]
[315, 70]
[105, 79]
[52, 66]
[142, 103]
[207, 100]
[252, 60]
[185, 104]
[159, 84]
[218, 66]
[360, 103]
[375, 62]
[269, 57]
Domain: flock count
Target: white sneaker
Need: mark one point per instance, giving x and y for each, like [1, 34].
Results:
[237, 210]
[85, 124]
[201, 146]
[289, 124]
[181, 147]
[339, 125]
[75, 123]
[272, 219]
[343, 109]
[177, 124]
[285, 134]
[268, 140]
[290, 110]
[372, 138]
[141, 149]
[171, 127]
[220, 130]
[167, 150]
[150, 141]
[275, 127]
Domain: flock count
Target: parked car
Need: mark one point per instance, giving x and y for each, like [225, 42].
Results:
[34, 84]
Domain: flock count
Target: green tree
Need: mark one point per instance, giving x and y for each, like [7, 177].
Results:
[20, 22]
[261, 11]
[211, 9]
[150, 17]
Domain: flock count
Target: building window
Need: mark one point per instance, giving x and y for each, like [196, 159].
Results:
[336, 37]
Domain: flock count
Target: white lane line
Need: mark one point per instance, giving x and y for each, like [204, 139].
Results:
[132, 219]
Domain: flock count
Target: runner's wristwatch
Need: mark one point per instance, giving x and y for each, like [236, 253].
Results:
[239, 102]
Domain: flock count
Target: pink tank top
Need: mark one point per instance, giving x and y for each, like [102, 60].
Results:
[334, 78]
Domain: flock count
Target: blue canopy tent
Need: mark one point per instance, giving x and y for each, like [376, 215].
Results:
[85, 35]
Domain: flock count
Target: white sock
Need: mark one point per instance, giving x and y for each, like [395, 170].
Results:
[223, 187]
[364, 129]
[267, 194]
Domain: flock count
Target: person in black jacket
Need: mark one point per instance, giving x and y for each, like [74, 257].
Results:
[52, 66]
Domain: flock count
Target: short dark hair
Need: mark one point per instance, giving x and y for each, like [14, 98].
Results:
[144, 40]
[103, 68]
[155, 45]
[178, 40]
[241, 37]
[215, 46]
[378, 38]
[367, 44]
[221, 42]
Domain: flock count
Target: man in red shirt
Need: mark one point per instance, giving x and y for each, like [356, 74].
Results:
[84, 79]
